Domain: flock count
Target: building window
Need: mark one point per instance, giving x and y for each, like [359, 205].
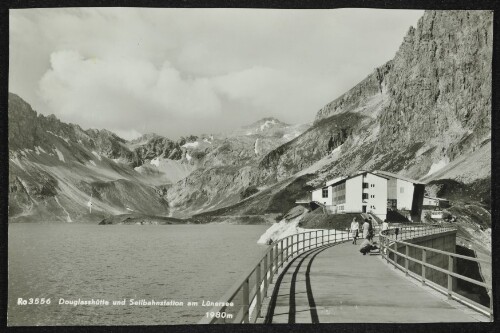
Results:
[372, 196]
[365, 185]
[401, 190]
[365, 195]
[324, 193]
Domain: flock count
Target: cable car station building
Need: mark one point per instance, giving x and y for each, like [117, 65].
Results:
[374, 192]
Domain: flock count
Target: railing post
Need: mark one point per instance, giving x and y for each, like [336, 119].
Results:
[407, 253]
[424, 261]
[276, 258]
[450, 278]
[395, 255]
[386, 246]
[246, 305]
[296, 244]
[287, 248]
[281, 253]
[322, 237]
[257, 287]
[303, 242]
[335, 235]
[271, 263]
[266, 281]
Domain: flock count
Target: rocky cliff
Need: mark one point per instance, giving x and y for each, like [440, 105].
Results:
[420, 111]
[55, 168]
[425, 114]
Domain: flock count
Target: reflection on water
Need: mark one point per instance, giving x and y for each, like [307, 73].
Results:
[166, 263]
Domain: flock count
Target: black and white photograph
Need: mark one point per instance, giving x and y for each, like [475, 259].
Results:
[197, 166]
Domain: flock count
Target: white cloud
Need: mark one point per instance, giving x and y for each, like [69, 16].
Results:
[121, 91]
[183, 71]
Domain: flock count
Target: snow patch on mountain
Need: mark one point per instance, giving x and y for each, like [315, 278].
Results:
[59, 155]
[17, 162]
[285, 228]
[68, 217]
[39, 150]
[60, 137]
[155, 161]
[256, 147]
[191, 144]
[435, 167]
[280, 230]
[267, 124]
[97, 155]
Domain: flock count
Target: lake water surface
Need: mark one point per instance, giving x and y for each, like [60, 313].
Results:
[179, 263]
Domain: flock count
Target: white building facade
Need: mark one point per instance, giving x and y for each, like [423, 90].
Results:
[364, 192]
[371, 192]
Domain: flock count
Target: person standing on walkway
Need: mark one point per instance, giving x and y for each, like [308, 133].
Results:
[371, 231]
[366, 229]
[354, 230]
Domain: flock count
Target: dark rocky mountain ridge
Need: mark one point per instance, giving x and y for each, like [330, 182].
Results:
[56, 167]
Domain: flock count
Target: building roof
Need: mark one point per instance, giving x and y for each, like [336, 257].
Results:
[342, 179]
[335, 180]
[393, 175]
[379, 173]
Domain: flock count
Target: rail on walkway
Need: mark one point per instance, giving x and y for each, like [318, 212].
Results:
[414, 261]
[243, 302]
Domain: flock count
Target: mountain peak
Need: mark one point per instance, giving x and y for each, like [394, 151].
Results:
[266, 123]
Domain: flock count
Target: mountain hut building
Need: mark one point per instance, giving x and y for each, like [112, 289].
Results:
[377, 193]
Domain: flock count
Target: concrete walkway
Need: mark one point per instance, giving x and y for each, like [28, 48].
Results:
[338, 284]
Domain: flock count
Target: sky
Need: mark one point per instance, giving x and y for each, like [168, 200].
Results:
[178, 72]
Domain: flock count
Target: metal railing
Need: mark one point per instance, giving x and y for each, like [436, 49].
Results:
[415, 230]
[243, 302]
[415, 261]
